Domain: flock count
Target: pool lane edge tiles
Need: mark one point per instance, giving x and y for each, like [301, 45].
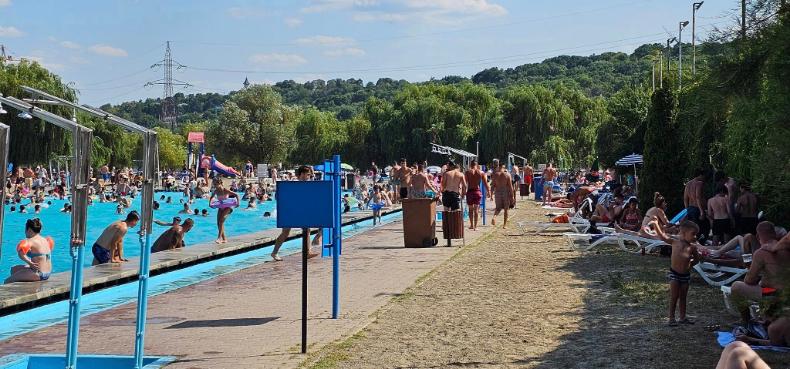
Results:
[47, 315]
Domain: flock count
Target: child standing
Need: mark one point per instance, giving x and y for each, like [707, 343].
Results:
[684, 255]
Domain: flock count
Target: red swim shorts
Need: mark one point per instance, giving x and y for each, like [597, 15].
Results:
[473, 197]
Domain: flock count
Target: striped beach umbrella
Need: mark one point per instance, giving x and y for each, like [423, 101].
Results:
[629, 160]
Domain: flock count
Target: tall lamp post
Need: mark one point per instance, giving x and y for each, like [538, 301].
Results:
[694, 9]
[669, 54]
[681, 25]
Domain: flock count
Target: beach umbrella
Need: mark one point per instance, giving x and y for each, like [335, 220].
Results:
[433, 169]
[631, 160]
[346, 166]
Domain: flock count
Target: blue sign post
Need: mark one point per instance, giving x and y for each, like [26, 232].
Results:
[323, 198]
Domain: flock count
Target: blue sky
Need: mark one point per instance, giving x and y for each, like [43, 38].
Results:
[105, 48]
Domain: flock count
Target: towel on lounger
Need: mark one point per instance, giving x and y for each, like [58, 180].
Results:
[725, 338]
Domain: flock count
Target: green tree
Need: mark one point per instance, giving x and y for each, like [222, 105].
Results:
[172, 148]
[624, 132]
[662, 164]
[319, 135]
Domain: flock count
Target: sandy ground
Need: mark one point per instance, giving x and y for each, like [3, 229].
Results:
[530, 301]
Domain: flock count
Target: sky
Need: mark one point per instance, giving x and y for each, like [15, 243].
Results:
[107, 49]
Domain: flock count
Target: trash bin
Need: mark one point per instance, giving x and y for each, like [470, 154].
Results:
[452, 225]
[419, 223]
[538, 187]
[523, 189]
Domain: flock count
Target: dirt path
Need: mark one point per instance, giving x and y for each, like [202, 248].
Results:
[530, 301]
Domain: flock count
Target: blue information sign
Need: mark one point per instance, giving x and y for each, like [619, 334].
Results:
[304, 204]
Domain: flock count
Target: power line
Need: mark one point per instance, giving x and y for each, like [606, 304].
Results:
[169, 114]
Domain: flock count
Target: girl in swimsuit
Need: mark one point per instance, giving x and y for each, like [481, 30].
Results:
[36, 252]
[631, 218]
[222, 213]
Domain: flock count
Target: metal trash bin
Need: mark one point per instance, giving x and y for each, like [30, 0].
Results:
[419, 223]
[453, 226]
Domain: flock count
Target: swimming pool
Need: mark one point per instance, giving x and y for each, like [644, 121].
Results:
[100, 215]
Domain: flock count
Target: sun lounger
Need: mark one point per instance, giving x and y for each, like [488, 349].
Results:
[635, 244]
[626, 242]
[587, 242]
[576, 224]
[717, 275]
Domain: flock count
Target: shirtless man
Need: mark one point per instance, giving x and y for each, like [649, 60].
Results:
[420, 183]
[769, 266]
[109, 247]
[549, 174]
[528, 172]
[403, 176]
[720, 216]
[474, 176]
[303, 173]
[503, 192]
[693, 200]
[746, 207]
[173, 238]
[453, 187]
[580, 194]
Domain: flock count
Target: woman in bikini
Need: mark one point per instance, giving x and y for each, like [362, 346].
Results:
[631, 219]
[221, 193]
[36, 252]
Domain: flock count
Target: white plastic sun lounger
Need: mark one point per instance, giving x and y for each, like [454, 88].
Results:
[626, 242]
[718, 275]
[576, 224]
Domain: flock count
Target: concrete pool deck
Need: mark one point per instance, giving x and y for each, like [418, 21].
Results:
[251, 318]
[22, 296]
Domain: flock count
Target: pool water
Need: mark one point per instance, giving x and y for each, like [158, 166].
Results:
[100, 215]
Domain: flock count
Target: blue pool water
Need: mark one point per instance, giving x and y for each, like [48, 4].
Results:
[94, 302]
[100, 215]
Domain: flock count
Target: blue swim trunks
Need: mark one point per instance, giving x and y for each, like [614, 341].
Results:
[548, 184]
[101, 254]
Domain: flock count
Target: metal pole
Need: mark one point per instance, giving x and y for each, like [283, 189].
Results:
[654, 76]
[680, 55]
[694, 39]
[337, 241]
[743, 19]
[661, 70]
[305, 246]
[79, 216]
[4, 141]
[150, 158]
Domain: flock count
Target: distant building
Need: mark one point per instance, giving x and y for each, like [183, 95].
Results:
[246, 82]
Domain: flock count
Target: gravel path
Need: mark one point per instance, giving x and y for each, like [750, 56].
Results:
[530, 301]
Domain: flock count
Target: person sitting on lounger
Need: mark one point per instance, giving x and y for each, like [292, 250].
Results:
[606, 214]
[658, 213]
[631, 218]
[769, 263]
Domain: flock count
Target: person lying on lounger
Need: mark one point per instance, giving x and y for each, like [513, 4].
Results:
[607, 214]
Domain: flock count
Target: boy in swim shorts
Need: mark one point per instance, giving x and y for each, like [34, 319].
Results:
[684, 255]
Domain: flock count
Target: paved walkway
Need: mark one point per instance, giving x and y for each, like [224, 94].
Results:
[250, 318]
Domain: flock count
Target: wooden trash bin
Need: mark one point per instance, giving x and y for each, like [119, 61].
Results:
[419, 223]
[453, 226]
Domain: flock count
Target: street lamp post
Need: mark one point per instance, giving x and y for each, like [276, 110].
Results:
[681, 25]
[669, 54]
[694, 9]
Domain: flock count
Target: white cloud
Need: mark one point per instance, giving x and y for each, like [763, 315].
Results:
[380, 17]
[240, 13]
[324, 40]
[293, 22]
[10, 31]
[276, 58]
[480, 7]
[44, 63]
[5, 2]
[107, 50]
[346, 51]
[319, 6]
[70, 45]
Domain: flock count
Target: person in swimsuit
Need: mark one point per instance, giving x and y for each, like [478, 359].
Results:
[720, 216]
[503, 192]
[684, 256]
[303, 173]
[222, 194]
[173, 238]
[403, 178]
[474, 177]
[421, 185]
[631, 218]
[109, 247]
[746, 207]
[377, 203]
[528, 172]
[453, 187]
[549, 174]
[693, 201]
[36, 252]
